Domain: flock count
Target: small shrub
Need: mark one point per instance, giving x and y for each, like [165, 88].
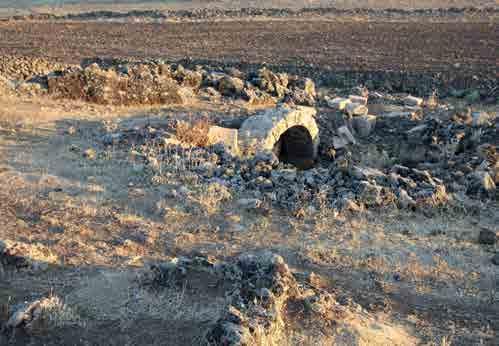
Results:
[195, 133]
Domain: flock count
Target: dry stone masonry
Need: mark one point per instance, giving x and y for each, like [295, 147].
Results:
[289, 132]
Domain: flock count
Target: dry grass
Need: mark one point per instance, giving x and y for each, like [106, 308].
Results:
[102, 216]
[56, 313]
[211, 198]
[193, 133]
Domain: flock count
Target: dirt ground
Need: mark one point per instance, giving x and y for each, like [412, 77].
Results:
[12, 6]
[97, 222]
[92, 223]
[462, 48]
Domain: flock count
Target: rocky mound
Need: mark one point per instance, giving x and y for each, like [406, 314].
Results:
[406, 156]
[155, 82]
[26, 68]
[267, 301]
[254, 298]
[16, 256]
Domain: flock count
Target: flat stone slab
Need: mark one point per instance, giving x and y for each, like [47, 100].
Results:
[226, 136]
[338, 103]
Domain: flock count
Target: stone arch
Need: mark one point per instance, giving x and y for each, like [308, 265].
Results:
[290, 132]
[295, 146]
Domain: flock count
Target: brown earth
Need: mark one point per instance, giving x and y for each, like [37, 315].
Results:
[461, 48]
[90, 223]
[12, 6]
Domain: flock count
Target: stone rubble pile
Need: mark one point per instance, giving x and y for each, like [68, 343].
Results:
[220, 13]
[156, 82]
[258, 287]
[20, 68]
[430, 158]
[430, 150]
[340, 185]
[17, 256]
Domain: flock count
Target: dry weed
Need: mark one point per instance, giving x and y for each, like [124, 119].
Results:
[56, 313]
[211, 197]
[195, 133]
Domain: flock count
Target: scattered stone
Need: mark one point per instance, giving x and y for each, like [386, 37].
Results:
[270, 82]
[370, 194]
[224, 136]
[13, 255]
[481, 119]
[142, 84]
[249, 203]
[356, 109]
[363, 125]
[230, 86]
[481, 183]
[413, 101]
[360, 90]
[56, 229]
[301, 91]
[338, 103]
[487, 237]
[90, 154]
[404, 200]
[210, 94]
[358, 99]
[23, 315]
[432, 101]
[472, 96]
[287, 175]
[343, 138]
[188, 78]
[495, 259]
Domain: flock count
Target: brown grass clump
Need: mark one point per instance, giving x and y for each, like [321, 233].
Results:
[193, 133]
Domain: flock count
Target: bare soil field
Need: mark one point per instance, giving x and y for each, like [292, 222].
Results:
[61, 7]
[245, 196]
[328, 45]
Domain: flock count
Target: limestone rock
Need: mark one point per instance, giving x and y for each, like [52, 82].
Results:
[301, 91]
[273, 83]
[188, 78]
[369, 193]
[356, 109]
[90, 154]
[261, 132]
[495, 259]
[230, 86]
[338, 103]
[364, 125]
[248, 203]
[487, 237]
[226, 136]
[481, 182]
[343, 138]
[480, 119]
[358, 99]
[413, 101]
[404, 200]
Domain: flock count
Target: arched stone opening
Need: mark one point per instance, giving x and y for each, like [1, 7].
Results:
[290, 132]
[295, 146]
